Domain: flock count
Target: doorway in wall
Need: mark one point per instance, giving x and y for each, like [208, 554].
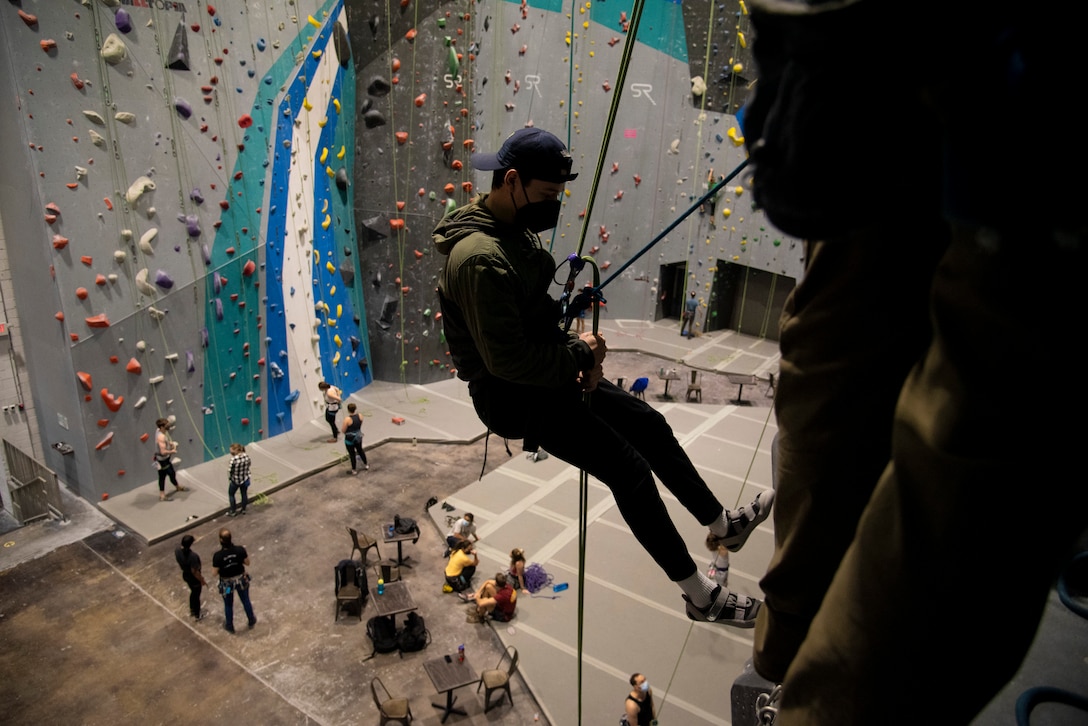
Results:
[747, 300]
[670, 292]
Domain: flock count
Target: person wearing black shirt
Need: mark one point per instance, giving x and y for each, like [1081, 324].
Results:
[189, 562]
[229, 565]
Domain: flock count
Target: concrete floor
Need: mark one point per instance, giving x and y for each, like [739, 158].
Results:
[94, 625]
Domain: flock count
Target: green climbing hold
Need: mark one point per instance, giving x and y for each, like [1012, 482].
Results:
[441, 22]
[455, 64]
[777, 242]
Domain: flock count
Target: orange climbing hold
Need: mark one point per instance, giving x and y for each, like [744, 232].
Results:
[249, 268]
[420, 100]
[410, 35]
[84, 379]
[396, 65]
[113, 403]
[398, 420]
[47, 44]
[396, 224]
[108, 203]
[100, 279]
[402, 137]
[87, 260]
[400, 205]
[144, 437]
[59, 242]
[60, 316]
[81, 293]
[418, 254]
[466, 187]
[133, 366]
[98, 321]
[105, 442]
[449, 189]
[456, 165]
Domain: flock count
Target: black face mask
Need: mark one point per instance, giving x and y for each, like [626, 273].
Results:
[537, 216]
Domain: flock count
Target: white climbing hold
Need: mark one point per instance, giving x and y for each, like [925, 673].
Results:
[146, 239]
[114, 50]
[141, 185]
[143, 285]
[97, 139]
[155, 379]
[125, 117]
[155, 313]
[172, 357]
[140, 402]
[120, 256]
[141, 345]
[95, 117]
[698, 86]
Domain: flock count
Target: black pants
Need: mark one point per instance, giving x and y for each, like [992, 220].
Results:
[330, 416]
[355, 450]
[194, 593]
[630, 439]
[168, 471]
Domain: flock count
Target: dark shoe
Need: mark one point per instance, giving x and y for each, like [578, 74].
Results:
[742, 522]
[252, 623]
[200, 616]
[232, 513]
[229, 629]
[727, 608]
[331, 441]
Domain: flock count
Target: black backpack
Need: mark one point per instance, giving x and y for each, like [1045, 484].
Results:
[382, 629]
[414, 636]
[404, 525]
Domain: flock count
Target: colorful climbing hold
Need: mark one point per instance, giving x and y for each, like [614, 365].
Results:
[84, 379]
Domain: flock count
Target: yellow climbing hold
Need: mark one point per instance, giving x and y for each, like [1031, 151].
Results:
[325, 154]
[322, 122]
[339, 311]
[738, 190]
[336, 339]
[316, 54]
[313, 21]
[336, 101]
[736, 138]
[736, 257]
[726, 212]
[585, 25]
[737, 68]
[326, 222]
[306, 104]
[330, 172]
[331, 268]
[592, 54]
[741, 40]
[743, 8]
[336, 358]
[325, 207]
[343, 150]
[332, 291]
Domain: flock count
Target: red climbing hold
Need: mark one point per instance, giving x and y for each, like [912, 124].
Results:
[448, 189]
[402, 137]
[81, 293]
[420, 100]
[245, 121]
[396, 224]
[98, 321]
[144, 438]
[60, 316]
[105, 442]
[84, 379]
[59, 242]
[133, 366]
[87, 260]
[113, 403]
[410, 35]
[249, 268]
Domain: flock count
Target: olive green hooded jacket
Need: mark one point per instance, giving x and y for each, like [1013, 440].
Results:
[497, 316]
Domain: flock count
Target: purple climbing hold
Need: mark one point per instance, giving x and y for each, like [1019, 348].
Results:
[218, 309]
[163, 280]
[196, 195]
[190, 361]
[207, 254]
[192, 225]
[123, 20]
[203, 337]
[183, 107]
[217, 286]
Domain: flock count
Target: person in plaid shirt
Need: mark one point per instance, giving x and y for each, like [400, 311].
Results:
[239, 478]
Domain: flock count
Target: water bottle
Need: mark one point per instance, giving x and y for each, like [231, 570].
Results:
[390, 531]
[560, 587]
[460, 654]
[381, 586]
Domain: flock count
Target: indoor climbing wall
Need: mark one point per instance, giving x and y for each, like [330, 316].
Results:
[438, 80]
[180, 222]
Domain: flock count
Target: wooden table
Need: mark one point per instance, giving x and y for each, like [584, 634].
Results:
[742, 380]
[448, 674]
[395, 599]
[668, 376]
[400, 539]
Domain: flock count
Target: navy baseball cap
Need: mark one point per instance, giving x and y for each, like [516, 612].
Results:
[534, 152]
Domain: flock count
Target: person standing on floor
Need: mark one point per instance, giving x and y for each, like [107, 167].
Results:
[229, 565]
[165, 448]
[638, 707]
[352, 427]
[333, 398]
[528, 377]
[239, 478]
[189, 562]
[690, 306]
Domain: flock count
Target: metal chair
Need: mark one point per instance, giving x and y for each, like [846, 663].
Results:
[362, 543]
[695, 387]
[496, 679]
[391, 709]
[350, 585]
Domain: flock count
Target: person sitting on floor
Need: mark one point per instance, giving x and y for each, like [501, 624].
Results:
[516, 573]
[461, 566]
[496, 599]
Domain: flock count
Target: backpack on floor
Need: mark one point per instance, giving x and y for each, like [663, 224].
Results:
[382, 629]
[414, 636]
